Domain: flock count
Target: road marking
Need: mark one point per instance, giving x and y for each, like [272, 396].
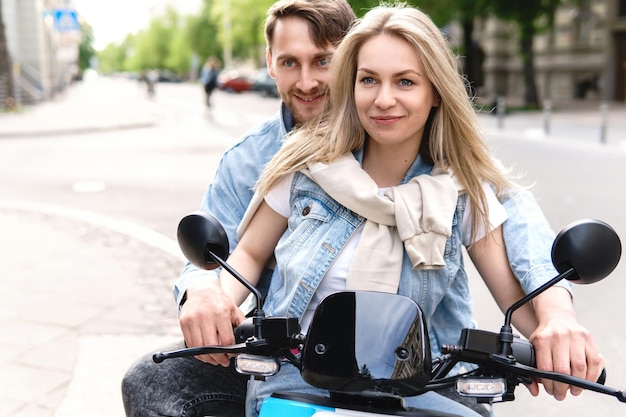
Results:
[133, 230]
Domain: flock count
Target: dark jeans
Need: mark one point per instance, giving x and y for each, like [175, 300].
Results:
[187, 387]
[184, 387]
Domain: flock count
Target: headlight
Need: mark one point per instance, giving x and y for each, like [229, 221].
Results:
[257, 365]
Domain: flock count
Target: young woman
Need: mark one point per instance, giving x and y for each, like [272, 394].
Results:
[382, 192]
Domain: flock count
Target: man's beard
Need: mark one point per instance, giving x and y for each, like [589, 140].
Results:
[299, 116]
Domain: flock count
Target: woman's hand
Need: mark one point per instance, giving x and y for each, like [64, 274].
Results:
[562, 344]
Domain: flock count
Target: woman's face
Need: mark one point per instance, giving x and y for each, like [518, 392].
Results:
[393, 97]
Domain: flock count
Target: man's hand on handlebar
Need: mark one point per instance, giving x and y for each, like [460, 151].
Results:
[207, 318]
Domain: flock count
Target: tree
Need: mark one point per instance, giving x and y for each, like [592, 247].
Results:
[85, 49]
[6, 66]
[531, 17]
[152, 46]
[201, 32]
[113, 57]
[241, 32]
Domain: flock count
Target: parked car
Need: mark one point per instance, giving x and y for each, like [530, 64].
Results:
[167, 76]
[264, 84]
[234, 83]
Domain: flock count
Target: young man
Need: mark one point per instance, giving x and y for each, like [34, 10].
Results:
[301, 37]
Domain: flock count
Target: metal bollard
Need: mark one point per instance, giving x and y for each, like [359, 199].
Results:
[604, 116]
[501, 110]
[547, 115]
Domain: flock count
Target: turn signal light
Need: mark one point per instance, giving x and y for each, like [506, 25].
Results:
[257, 365]
[481, 387]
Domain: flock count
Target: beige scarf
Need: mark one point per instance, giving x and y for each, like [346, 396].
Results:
[416, 215]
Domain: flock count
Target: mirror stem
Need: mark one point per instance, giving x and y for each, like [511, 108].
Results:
[506, 332]
[258, 313]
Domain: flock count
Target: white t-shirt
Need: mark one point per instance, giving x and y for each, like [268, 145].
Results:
[335, 280]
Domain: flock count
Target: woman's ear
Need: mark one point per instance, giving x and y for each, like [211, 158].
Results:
[436, 99]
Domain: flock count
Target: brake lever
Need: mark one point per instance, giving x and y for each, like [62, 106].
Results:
[524, 370]
[202, 350]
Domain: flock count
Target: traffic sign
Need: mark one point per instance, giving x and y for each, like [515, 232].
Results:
[66, 20]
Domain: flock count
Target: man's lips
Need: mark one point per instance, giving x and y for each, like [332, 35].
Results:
[309, 99]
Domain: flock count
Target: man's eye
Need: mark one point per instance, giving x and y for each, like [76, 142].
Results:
[324, 62]
[289, 64]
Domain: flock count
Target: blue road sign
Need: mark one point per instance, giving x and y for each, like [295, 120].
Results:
[66, 20]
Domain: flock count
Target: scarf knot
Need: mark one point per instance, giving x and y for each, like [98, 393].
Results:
[416, 216]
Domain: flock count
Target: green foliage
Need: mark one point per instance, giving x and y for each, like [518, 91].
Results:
[529, 15]
[85, 49]
[113, 57]
[153, 45]
[245, 36]
[201, 32]
[442, 12]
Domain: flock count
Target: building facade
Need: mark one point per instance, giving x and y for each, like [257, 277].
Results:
[582, 58]
[43, 38]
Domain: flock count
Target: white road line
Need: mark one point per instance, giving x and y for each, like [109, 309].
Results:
[133, 230]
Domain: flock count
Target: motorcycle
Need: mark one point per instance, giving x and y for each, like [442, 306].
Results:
[371, 349]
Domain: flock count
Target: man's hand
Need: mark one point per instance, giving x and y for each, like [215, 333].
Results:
[562, 344]
[207, 318]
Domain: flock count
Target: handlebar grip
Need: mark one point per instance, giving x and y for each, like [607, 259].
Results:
[244, 331]
[524, 353]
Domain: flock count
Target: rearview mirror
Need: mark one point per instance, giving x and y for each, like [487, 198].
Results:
[590, 247]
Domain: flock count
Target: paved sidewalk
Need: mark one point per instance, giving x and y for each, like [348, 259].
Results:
[65, 113]
[574, 123]
[68, 334]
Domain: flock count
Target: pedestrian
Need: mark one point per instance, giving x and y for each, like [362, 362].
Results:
[150, 77]
[382, 193]
[209, 77]
[301, 36]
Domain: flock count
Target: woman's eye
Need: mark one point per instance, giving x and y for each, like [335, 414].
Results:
[367, 80]
[406, 83]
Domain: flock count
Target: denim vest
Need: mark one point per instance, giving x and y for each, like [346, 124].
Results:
[318, 230]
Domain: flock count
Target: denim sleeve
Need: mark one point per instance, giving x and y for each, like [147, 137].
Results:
[230, 192]
[226, 198]
[528, 239]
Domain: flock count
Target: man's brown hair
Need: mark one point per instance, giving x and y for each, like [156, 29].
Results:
[328, 20]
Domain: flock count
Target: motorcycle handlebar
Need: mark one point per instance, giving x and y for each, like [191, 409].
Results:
[524, 353]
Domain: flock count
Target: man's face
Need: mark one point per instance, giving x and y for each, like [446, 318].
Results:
[300, 68]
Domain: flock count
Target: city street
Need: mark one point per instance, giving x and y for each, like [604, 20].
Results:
[94, 184]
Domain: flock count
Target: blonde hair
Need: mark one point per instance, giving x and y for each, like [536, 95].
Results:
[454, 139]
